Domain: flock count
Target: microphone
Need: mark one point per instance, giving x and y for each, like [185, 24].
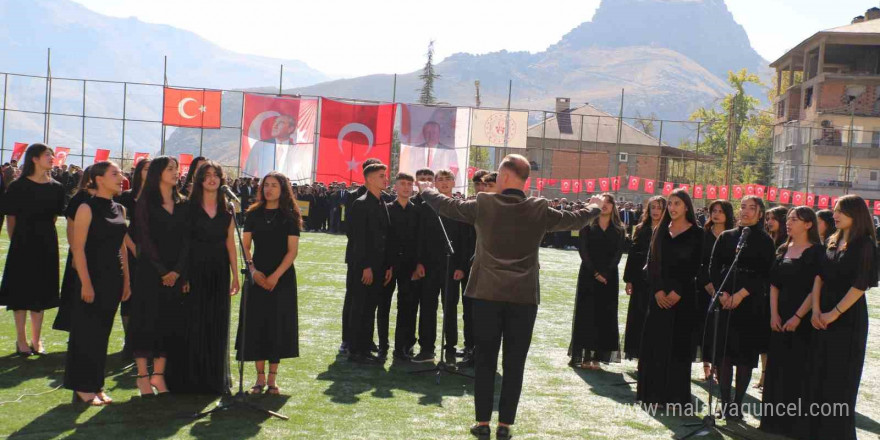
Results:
[229, 194]
[742, 238]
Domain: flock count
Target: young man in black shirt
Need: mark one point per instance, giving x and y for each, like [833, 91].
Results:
[470, 246]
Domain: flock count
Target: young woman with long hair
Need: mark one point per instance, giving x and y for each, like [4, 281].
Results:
[32, 204]
[101, 263]
[204, 363]
[720, 219]
[826, 224]
[840, 316]
[70, 281]
[273, 225]
[668, 348]
[162, 230]
[595, 336]
[635, 278]
[186, 188]
[128, 199]
[742, 319]
[793, 278]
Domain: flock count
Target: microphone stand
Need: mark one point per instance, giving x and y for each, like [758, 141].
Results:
[442, 366]
[708, 422]
[239, 399]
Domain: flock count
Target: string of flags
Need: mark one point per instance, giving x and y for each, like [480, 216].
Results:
[773, 194]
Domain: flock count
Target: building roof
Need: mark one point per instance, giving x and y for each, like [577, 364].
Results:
[596, 126]
[865, 28]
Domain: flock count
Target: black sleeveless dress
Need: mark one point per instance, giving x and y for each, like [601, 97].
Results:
[70, 287]
[91, 323]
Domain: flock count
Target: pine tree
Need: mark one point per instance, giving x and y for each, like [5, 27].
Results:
[426, 93]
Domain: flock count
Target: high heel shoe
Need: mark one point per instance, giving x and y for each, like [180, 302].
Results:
[158, 392]
[37, 353]
[79, 400]
[23, 353]
[152, 393]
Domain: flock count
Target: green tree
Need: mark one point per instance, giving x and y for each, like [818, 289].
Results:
[426, 93]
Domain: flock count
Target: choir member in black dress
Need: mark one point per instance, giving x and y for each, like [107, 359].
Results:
[161, 228]
[595, 336]
[188, 180]
[204, 363]
[273, 225]
[635, 277]
[840, 315]
[774, 223]
[741, 322]
[102, 265]
[70, 287]
[32, 204]
[720, 219]
[667, 345]
[826, 224]
[128, 199]
[402, 245]
[793, 278]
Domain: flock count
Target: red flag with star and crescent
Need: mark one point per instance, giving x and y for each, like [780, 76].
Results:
[192, 108]
[590, 185]
[576, 186]
[633, 183]
[711, 192]
[771, 193]
[604, 184]
[667, 188]
[350, 134]
[649, 186]
[723, 192]
[698, 191]
[823, 201]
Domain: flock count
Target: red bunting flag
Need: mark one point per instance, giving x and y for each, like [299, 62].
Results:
[539, 184]
[823, 201]
[750, 189]
[633, 183]
[797, 198]
[723, 192]
[184, 161]
[566, 186]
[784, 196]
[737, 192]
[711, 192]
[686, 187]
[615, 183]
[876, 207]
[771, 193]
[604, 184]
[811, 199]
[698, 191]
[550, 182]
[667, 188]
[576, 186]
[759, 190]
[590, 185]
[101, 155]
[61, 156]
[834, 201]
[527, 184]
[471, 171]
[18, 150]
[350, 134]
[649, 186]
[140, 156]
[192, 108]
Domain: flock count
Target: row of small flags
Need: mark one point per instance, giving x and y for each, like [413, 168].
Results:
[697, 191]
[101, 154]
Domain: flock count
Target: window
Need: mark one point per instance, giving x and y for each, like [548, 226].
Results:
[873, 176]
[875, 138]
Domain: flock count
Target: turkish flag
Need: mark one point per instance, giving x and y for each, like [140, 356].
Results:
[550, 182]
[649, 186]
[811, 199]
[527, 184]
[784, 196]
[633, 183]
[101, 155]
[711, 192]
[576, 186]
[686, 187]
[771, 193]
[615, 183]
[750, 189]
[876, 207]
[723, 192]
[61, 156]
[471, 171]
[566, 186]
[192, 108]
[590, 185]
[834, 201]
[797, 198]
[350, 134]
[140, 156]
[759, 190]
[698, 191]
[539, 184]
[184, 160]
[823, 201]
[604, 184]
[18, 150]
[737, 192]
[667, 188]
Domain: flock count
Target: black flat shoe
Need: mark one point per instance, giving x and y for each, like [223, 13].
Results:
[482, 432]
[503, 433]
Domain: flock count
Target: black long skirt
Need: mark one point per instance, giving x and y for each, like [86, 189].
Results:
[785, 380]
[664, 371]
[155, 321]
[595, 334]
[636, 313]
[272, 322]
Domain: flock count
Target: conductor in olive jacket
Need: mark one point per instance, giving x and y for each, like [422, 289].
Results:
[503, 282]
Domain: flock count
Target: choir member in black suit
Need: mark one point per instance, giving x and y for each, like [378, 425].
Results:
[595, 336]
[667, 348]
[273, 225]
[369, 262]
[102, 268]
[635, 277]
[720, 219]
[470, 246]
[793, 278]
[161, 227]
[128, 199]
[32, 204]
[826, 224]
[204, 363]
[402, 248]
[742, 321]
[432, 267]
[840, 315]
[350, 196]
[70, 281]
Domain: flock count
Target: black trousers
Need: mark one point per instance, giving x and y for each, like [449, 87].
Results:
[346, 305]
[466, 313]
[495, 323]
[429, 299]
[407, 310]
[362, 313]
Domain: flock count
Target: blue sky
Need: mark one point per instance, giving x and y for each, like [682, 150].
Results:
[354, 37]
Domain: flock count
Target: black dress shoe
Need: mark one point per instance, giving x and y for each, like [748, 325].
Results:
[343, 348]
[400, 356]
[374, 348]
[382, 355]
[363, 359]
[502, 433]
[425, 356]
[449, 356]
[482, 432]
[467, 362]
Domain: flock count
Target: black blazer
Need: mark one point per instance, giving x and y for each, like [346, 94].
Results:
[370, 223]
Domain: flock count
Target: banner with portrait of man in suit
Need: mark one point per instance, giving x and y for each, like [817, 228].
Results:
[435, 138]
[278, 134]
